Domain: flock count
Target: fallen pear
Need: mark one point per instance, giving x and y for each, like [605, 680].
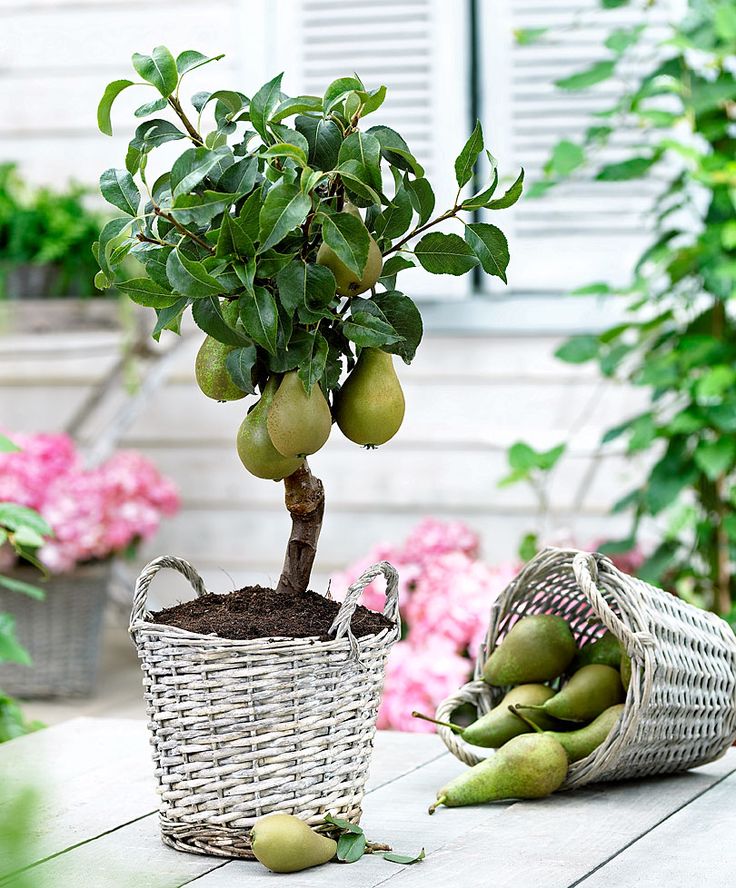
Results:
[589, 692]
[537, 648]
[255, 448]
[285, 844]
[347, 282]
[625, 668]
[580, 743]
[298, 423]
[211, 373]
[499, 725]
[606, 651]
[530, 766]
[369, 408]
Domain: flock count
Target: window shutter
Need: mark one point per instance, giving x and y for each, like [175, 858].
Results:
[418, 49]
[580, 231]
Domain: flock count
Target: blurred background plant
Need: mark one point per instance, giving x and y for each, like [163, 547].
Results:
[677, 339]
[45, 240]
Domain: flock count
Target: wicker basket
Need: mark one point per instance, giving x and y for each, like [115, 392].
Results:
[61, 633]
[680, 709]
[244, 728]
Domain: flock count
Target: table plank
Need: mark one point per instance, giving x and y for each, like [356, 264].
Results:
[117, 828]
[699, 839]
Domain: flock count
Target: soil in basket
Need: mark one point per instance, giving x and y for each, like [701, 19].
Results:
[255, 612]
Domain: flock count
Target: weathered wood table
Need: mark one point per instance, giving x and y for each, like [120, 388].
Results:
[96, 824]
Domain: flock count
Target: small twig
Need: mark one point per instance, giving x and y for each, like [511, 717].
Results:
[448, 215]
[193, 134]
[183, 230]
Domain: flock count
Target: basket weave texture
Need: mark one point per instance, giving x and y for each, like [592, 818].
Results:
[242, 728]
[680, 709]
[62, 633]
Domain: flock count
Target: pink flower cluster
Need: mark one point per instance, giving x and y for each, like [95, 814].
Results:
[94, 512]
[446, 594]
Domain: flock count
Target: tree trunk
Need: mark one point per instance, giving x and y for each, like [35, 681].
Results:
[305, 500]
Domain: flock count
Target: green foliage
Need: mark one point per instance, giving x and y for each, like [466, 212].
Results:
[42, 227]
[233, 228]
[679, 338]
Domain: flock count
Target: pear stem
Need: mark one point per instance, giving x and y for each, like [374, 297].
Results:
[434, 721]
[515, 710]
[305, 500]
[440, 801]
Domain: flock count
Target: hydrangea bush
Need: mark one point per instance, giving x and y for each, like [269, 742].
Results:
[446, 593]
[94, 513]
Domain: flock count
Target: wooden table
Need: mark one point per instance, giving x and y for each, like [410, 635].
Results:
[96, 824]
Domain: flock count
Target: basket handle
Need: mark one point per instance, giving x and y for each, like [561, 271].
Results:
[585, 568]
[468, 693]
[341, 623]
[140, 597]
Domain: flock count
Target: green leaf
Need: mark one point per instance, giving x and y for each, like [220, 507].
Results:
[297, 105]
[154, 133]
[724, 19]
[239, 364]
[304, 285]
[422, 198]
[566, 156]
[524, 458]
[191, 59]
[613, 4]
[112, 91]
[233, 239]
[151, 107]
[240, 177]
[369, 331]
[467, 158]
[578, 350]
[395, 150]
[7, 446]
[284, 149]
[396, 218]
[22, 588]
[489, 244]
[260, 317]
[193, 166]
[510, 197]
[110, 236]
[144, 291]
[312, 368]
[365, 149]
[207, 314]
[445, 254]
[169, 318]
[357, 181]
[344, 825]
[337, 91]
[529, 36]
[633, 168]
[715, 458]
[715, 382]
[528, 547]
[483, 198]
[189, 277]
[263, 104]
[349, 238]
[371, 100]
[324, 139]
[596, 73]
[351, 847]
[284, 208]
[11, 651]
[14, 516]
[119, 189]
[404, 317]
[621, 39]
[408, 859]
[159, 69]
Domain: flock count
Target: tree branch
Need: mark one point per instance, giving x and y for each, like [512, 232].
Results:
[399, 244]
[183, 230]
[305, 500]
[193, 134]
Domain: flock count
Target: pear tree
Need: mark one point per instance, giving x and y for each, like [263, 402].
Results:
[283, 225]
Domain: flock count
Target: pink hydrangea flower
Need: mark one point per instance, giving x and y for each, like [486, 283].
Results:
[94, 512]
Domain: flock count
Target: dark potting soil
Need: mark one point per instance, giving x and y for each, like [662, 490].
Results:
[256, 612]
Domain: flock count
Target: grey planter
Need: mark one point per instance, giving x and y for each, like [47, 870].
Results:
[62, 633]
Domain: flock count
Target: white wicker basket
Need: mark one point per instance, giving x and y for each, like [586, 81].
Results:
[245, 728]
[680, 709]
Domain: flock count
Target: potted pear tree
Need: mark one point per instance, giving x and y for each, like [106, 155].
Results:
[282, 225]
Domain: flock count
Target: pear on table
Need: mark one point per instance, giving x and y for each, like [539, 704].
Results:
[285, 844]
[537, 648]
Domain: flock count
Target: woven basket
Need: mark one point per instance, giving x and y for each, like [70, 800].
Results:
[245, 728]
[680, 709]
[62, 633]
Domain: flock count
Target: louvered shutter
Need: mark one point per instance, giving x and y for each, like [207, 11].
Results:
[580, 231]
[419, 49]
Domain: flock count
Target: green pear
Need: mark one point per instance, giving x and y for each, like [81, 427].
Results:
[211, 372]
[348, 283]
[298, 423]
[606, 651]
[580, 743]
[369, 408]
[285, 844]
[537, 648]
[255, 448]
[625, 668]
[530, 766]
[589, 692]
[499, 725]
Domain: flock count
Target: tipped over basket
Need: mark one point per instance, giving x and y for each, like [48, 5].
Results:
[680, 708]
[242, 728]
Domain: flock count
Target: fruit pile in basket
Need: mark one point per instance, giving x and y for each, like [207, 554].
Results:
[537, 730]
